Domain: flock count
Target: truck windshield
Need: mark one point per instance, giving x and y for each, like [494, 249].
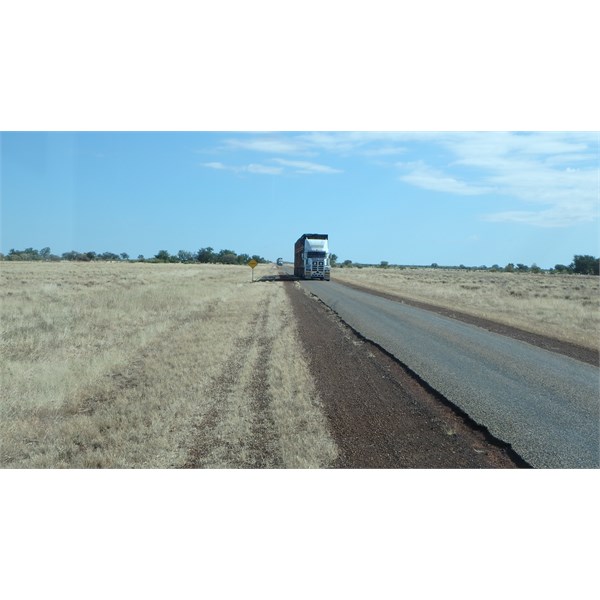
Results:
[316, 255]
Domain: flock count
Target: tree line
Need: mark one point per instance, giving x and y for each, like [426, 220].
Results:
[582, 264]
[204, 255]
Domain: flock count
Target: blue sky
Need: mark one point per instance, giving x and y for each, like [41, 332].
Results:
[408, 198]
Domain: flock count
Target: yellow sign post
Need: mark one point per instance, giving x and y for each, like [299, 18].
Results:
[252, 263]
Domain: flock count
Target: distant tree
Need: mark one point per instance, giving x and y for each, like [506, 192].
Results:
[333, 259]
[434, 265]
[535, 269]
[124, 256]
[141, 257]
[521, 268]
[585, 264]
[74, 255]
[347, 263]
[205, 255]
[45, 253]
[259, 259]
[509, 268]
[162, 256]
[110, 256]
[563, 269]
[227, 257]
[185, 257]
[27, 254]
[242, 259]
[384, 264]
[91, 255]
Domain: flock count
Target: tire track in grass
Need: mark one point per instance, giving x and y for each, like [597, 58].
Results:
[264, 442]
[238, 431]
[132, 415]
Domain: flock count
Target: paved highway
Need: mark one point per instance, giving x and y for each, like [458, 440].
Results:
[544, 404]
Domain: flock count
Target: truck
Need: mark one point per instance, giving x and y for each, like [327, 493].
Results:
[279, 262]
[311, 256]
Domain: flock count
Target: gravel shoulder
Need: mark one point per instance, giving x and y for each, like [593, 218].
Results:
[379, 413]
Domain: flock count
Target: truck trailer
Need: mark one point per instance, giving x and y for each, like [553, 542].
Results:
[311, 256]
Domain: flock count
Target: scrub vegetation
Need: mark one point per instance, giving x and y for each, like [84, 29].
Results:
[565, 307]
[153, 365]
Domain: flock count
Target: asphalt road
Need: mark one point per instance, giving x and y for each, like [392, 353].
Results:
[544, 404]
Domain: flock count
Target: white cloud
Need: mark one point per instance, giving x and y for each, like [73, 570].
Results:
[269, 145]
[384, 151]
[554, 175]
[551, 218]
[334, 142]
[263, 169]
[251, 168]
[534, 168]
[305, 167]
[421, 175]
[298, 166]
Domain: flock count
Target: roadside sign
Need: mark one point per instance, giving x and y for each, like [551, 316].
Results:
[252, 263]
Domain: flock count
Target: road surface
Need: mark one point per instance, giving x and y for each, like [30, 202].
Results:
[544, 404]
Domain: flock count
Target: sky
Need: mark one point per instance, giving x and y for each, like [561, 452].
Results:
[412, 198]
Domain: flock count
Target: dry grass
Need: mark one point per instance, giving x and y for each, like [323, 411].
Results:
[135, 365]
[565, 307]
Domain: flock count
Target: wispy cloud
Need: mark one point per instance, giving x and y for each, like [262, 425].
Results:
[559, 215]
[288, 145]
[214, 165]
[295, 166]
[305, 167]
[358, 142]
[421, 175]
[555, 175]
[251, 168]
[264, 169]
[313, 143]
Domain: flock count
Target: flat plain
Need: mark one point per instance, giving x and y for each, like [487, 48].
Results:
[153, 365]
[564, 307]
[137, 365]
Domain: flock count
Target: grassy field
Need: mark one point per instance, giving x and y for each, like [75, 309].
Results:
[148, 365]
[565, 307]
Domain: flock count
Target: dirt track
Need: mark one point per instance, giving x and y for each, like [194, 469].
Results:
[380, 415]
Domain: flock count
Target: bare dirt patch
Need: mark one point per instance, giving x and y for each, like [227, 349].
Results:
[379, 414]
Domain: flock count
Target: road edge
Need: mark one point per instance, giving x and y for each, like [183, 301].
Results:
[587, 355]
